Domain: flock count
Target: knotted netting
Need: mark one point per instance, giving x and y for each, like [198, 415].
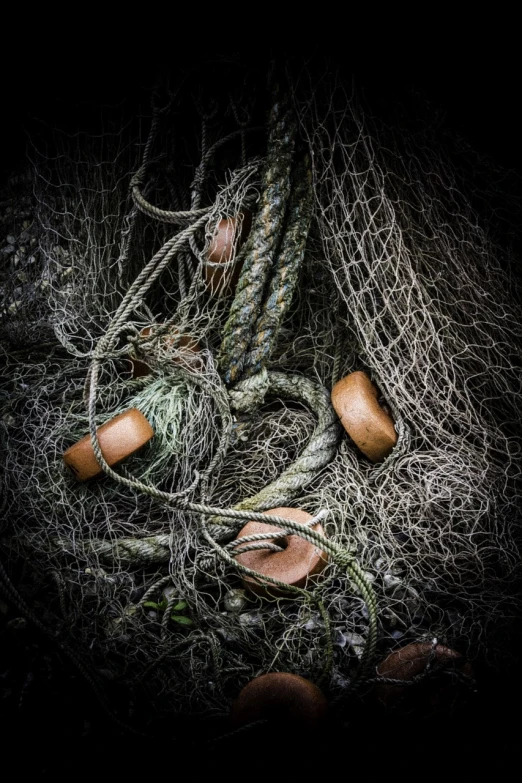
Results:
[365, 253]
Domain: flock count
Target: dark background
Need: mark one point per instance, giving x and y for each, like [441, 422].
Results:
[478, 95]
[52, 709]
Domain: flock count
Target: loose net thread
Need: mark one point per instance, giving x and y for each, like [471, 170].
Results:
[398, 279]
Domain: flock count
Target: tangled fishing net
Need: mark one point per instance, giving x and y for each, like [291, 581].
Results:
[365, 253]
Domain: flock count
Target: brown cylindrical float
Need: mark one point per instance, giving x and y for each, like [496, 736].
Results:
[119, 438]
[280, 696]
[188, 347]
[221, 272]
[412, 660]
[355, 399]
[299, 561]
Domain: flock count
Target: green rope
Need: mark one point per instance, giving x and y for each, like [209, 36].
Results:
[261, 244]
[318, 453]
[284, 278]
[329, 643]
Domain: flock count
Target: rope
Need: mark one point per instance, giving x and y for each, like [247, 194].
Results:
[284, 278]
[261, 244]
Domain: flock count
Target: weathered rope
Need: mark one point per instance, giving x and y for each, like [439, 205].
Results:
[261, 244]
[285, 276]
[318, 453]
[181, 216]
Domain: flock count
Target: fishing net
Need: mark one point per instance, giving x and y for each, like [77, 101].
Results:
[370, 249]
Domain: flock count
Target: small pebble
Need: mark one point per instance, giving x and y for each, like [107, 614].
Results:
[250, 619]
[356, 642]
[314, 623]
[106, 674]
[169, 592]
[391, 581]
[227, 637]
[339, 681]
[390, 618]
[235, 600]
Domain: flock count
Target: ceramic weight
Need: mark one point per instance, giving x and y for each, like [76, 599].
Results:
[413, 660]
[355, 400]
[280, 696]
[189, 350]
[221, 272]
[299, 561]
[120, 437]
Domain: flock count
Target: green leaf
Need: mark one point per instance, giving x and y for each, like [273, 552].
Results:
[152, 605]
[181, 619]
[179, 606]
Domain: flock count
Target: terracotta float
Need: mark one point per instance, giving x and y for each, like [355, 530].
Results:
[119, 438]
[187, 346]
[280, 696]
[411, 661]
[221, 272]
[355, 399]
[296, 564]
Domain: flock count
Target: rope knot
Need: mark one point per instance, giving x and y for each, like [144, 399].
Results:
[249, 394]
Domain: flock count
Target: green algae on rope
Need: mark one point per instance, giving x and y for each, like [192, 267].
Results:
[261, 244]
[285, 276]
[318, 453]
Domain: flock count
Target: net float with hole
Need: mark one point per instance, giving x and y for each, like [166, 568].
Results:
[415, 659]
[222, 265]
[298, 561]
[282, 697]
[119, 438]
[183, 350]
[356, 401]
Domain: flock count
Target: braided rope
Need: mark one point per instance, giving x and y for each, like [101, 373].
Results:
[284, 278]
[318, 453]
[261, 244]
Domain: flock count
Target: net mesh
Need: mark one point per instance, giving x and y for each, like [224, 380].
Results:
[403, 277]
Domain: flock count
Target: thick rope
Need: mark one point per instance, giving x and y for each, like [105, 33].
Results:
[284, 279]
[318, 453]
[261, 244]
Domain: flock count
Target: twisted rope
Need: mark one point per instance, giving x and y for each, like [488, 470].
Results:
[284, 278]
[261, 244]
